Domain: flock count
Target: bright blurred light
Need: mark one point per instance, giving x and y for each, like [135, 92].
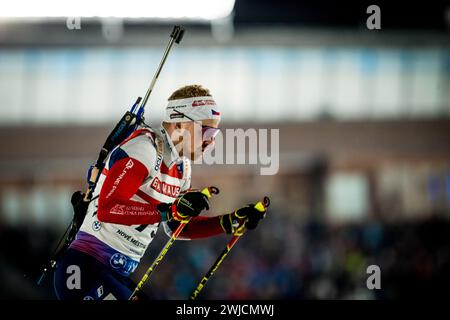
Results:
[147, 9]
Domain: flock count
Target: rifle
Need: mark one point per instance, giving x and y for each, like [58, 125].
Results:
[123, 129]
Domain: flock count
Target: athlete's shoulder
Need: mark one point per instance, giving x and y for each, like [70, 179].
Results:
[142, 145]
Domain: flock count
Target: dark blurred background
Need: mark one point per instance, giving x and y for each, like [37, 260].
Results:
[364, 172]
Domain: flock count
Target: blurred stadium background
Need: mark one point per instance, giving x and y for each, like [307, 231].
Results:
[364, 126]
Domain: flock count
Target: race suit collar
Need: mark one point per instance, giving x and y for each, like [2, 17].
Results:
[171, 155]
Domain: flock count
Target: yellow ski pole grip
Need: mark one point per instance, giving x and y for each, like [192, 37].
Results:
[262, 205]
[209, 191]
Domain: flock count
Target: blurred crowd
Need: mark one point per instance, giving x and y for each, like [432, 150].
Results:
[282, 259]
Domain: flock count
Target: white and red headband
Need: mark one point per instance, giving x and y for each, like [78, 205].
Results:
[196, 108]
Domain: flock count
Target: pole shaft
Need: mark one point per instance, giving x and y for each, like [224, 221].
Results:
[209, 191]
[214, 267]
[161, 255]
[260, 206]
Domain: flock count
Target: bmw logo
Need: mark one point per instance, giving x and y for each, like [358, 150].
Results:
[118, 260]
[96, 225]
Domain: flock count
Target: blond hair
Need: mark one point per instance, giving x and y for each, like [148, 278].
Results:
[194, 90]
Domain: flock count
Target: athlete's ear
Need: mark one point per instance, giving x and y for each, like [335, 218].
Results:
[178, 125]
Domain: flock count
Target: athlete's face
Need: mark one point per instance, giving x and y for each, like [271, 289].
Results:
[192, 138]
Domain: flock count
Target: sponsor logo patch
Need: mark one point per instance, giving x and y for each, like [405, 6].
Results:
[96, 225]
[176, 115]
[158, 162]
[118, 260]
[165, 188]
[198, 103]
[128, 166]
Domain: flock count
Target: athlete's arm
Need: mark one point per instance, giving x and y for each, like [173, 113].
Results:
[202, 227]
[122, 181]
[197, 228]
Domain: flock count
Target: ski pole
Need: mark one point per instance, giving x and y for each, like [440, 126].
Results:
[209, 191]
[260, 206]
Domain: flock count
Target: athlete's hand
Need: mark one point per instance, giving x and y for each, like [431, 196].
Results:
[243, 218]
[189, 204]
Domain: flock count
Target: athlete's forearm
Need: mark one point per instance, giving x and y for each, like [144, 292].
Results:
[199, 227]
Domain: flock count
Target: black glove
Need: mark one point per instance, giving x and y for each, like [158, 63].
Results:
[248, 217]
[189, 204]
[253, 216]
